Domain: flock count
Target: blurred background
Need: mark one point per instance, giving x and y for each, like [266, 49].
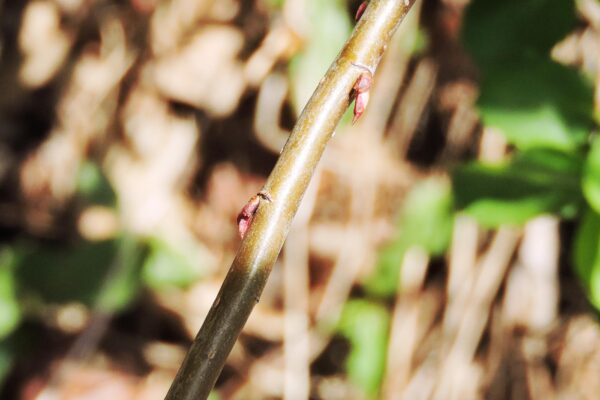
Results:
[447, 247]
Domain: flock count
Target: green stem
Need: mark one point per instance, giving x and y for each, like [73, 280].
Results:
[286, 185]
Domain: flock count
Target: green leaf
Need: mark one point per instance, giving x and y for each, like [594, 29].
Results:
[327, 19]
[103, 274]
[277, 4]
[365, 324]
[384, 281]
[427, 216]
[426, 222]
[6, 359]
[538, 104]
[591, 176]
[534, 101]
[496, 31]
[10, 313]
[123, 281]
[535, 182]
[586, 255]
[168, 266]
[214, 396]
[64, 274]
[93, 185]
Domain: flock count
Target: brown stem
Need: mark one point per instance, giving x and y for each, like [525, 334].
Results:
[286, 185]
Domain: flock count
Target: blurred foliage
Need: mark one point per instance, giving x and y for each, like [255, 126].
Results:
[93, 187]
[122, 282]
[275, 3]
[546, 111]
[532, 99]
[587, 241]
[326, 19]
[591, 176]
[425, 222]
[75, 273]
[9, 307]
[534, 182]
[538, 103]
[586, 255]
[167, 266]
[366, 326]
[503, 33]
[104, 275]
[6, 359]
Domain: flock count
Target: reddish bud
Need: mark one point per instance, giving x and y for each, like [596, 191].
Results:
[360, 10]
[246, 215]
[363, 83]
[360, 92]
[360, 104]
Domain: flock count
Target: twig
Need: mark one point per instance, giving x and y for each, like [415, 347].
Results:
[406, 317]
[286, 186]
[271, 98]
[412, 106]
[457, 375]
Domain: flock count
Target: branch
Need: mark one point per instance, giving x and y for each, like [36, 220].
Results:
[281, 198]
